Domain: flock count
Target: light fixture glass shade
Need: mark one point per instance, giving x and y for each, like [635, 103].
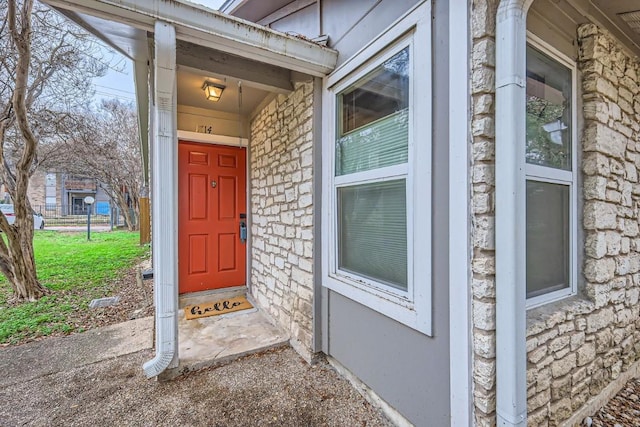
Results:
[212, 91]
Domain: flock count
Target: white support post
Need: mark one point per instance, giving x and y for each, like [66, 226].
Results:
[511, 369]
[460, 343]
[164, 185]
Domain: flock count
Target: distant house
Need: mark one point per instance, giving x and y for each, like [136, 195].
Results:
[64, 193]
[444, 198]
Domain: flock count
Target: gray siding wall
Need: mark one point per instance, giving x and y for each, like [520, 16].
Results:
[304, 21]
[352, 24]
[409, 370]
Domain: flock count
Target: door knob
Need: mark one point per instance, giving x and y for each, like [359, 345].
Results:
[214, 184]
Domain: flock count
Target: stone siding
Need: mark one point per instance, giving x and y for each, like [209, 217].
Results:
[282, 213]
[483, 210]
[577, 346]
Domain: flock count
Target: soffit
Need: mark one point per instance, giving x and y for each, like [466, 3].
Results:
[610, 15]
[124, 24]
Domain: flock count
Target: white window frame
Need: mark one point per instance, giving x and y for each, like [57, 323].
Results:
[544, 174]
[412, 307]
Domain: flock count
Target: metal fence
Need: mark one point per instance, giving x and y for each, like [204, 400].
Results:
[56, 215]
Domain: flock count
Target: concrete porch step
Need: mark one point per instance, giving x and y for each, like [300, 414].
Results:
[215, 340]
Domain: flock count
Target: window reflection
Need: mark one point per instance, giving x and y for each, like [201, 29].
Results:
[548, 111]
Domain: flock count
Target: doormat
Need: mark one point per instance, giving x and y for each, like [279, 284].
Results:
[215, 308]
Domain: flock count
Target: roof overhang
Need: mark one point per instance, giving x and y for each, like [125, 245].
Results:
[126, 25]
[206, 27]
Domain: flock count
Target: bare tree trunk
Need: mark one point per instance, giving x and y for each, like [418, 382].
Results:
[18, 252]
[126, 212]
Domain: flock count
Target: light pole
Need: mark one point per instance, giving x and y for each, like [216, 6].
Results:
[89, 201]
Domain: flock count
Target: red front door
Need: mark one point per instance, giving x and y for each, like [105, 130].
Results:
[211, 211]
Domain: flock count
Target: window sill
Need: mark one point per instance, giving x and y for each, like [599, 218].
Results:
[410, 314]
[545, 317]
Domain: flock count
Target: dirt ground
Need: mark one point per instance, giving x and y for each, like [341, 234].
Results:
[275, 388]
[621, 411]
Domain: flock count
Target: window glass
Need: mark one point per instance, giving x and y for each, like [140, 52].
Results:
[548, 111]
[548, 237]
[372, 235]
[373, 126]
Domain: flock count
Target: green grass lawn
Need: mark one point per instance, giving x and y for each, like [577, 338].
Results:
[76, 271]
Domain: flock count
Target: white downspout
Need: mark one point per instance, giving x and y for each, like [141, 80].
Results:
[511, 369]
[164, 202]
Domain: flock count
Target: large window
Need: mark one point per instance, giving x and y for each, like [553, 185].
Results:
[551, 175]
[377, 165]
[371, 158]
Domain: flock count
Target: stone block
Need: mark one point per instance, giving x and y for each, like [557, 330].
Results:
[600, 138]
[595, 187]
[596, 245]
[559, 343]
[543, 379]
[483, 80]
[561, 388]
[577, 339]
[586, 353]
[483, 288]
[483, 104]
[484, 372]
[104, 302]
[483, 19]
[600, 319]
[560, 410]
[484, 344]
[537, 354]
[484, 315]
[600, 215]
[600, 270]
[538, 400]
[595, 163]
[563, 366]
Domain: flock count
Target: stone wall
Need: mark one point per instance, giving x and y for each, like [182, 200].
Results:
[282, 213]
[577, 346]
[483, 210]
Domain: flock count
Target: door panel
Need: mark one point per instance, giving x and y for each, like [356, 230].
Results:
[212, 197]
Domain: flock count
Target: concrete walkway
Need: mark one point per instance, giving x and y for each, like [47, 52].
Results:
[203, 343]
[96, 378]
[58, 354]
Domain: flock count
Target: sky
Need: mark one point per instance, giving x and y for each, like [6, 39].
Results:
[118, 82]
[212, 4]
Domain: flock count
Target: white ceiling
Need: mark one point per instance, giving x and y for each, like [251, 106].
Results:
[190, 93]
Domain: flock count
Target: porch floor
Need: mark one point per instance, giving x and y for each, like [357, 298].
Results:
[214, 340]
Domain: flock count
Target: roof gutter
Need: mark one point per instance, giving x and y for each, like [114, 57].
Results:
[165, 200]
[511, 368]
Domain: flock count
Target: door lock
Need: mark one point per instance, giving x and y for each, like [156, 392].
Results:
[214, 184]
[243, 227]
[243, 231]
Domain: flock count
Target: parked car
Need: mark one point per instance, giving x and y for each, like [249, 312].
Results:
[7, 210]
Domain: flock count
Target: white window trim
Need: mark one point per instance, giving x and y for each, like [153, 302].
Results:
[557, 176]
[413, 307]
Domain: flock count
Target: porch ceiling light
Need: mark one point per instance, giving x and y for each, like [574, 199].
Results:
[212, 91]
